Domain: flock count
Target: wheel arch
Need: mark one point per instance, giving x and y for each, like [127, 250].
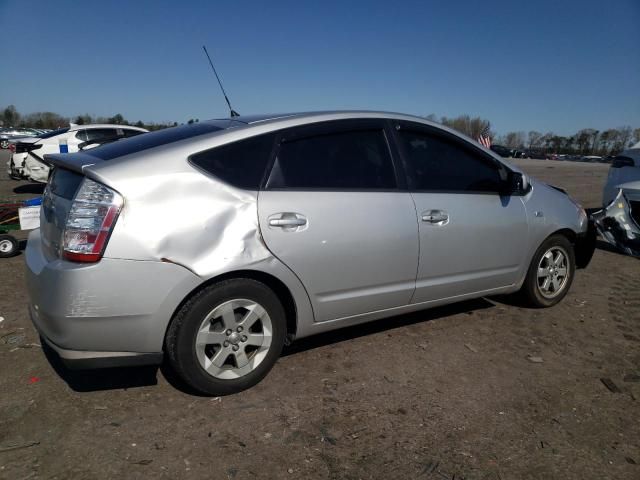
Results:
[278, 286]
[566, 232]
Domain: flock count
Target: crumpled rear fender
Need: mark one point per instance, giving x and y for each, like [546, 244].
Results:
[619, 222]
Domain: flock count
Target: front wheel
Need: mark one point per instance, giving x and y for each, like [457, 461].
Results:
[227, 337]
[551, 272]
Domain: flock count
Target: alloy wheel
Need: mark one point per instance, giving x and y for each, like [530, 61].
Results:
[233, 339]
[553, 272]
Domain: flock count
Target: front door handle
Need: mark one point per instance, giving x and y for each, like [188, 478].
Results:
[435, 217]
[287, 220]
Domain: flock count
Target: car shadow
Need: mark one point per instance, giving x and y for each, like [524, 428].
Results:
[607, 247]
[101, 379]
[383, 325]
[31, 188]
[133, 377]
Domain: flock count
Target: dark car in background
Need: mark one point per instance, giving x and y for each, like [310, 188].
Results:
[502, 151]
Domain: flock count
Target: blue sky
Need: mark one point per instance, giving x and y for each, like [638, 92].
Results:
[543, 65]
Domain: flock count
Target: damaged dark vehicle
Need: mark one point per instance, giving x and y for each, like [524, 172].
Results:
[619, 221]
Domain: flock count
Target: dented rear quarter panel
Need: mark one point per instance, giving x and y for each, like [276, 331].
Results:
[175, 213]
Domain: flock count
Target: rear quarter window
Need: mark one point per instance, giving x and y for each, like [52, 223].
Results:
[64, 183]
[241, 164]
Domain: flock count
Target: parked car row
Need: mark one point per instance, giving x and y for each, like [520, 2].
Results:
[506, 152]
[7, 134]
[27, 162]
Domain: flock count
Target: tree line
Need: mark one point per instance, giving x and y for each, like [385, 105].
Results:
[10, 117]
[587, 141]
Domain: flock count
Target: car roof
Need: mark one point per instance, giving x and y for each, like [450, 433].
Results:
[328, 115]
[104, 125]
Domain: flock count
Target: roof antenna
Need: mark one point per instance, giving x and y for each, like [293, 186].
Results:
[232, 112]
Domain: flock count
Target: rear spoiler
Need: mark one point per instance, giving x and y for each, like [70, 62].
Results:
[71, 161]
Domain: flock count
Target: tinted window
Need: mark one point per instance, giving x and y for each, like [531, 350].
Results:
[64, 183]
[241, 164]
[435, 163]
[98, 134]
[130, 133]
[81, 135]
[156, 139]
[620, 161]
[347, 160]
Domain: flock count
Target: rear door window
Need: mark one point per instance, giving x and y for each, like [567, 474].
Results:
[241, 164]
[340, 160]
[437, 163]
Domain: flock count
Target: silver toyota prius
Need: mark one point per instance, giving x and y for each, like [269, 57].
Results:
[215, 244]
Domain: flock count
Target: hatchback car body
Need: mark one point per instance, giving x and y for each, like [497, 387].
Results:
[27, 159]
[216, 243]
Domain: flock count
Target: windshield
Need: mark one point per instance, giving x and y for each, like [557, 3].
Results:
[155, 139]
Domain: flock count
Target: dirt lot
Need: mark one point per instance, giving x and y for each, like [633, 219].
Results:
[442, 394]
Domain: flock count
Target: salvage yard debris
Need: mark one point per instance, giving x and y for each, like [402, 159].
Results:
[612, 387]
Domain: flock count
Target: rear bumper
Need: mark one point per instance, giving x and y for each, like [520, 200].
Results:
[80, 359]
[113, 312]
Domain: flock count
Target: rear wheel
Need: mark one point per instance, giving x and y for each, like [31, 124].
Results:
[8, 246]
[227, 337]
[551, 272]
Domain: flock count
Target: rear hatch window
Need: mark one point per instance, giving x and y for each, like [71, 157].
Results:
[155, 139]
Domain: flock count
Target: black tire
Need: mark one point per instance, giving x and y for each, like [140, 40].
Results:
[180, 341]
[9, 246]
[4, 144]
[532, 291]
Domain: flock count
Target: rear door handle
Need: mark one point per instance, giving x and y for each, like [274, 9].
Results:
[287, 220]
[435, 217]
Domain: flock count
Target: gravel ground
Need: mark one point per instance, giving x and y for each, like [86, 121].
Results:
[479, 390]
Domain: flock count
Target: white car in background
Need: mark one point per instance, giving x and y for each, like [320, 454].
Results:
[625, 168]
[26, 161]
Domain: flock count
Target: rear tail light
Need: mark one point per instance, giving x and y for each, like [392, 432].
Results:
[12, 147]
[619, 162]
[91, 219]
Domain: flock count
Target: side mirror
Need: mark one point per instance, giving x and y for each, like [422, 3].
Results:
[516, 183]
